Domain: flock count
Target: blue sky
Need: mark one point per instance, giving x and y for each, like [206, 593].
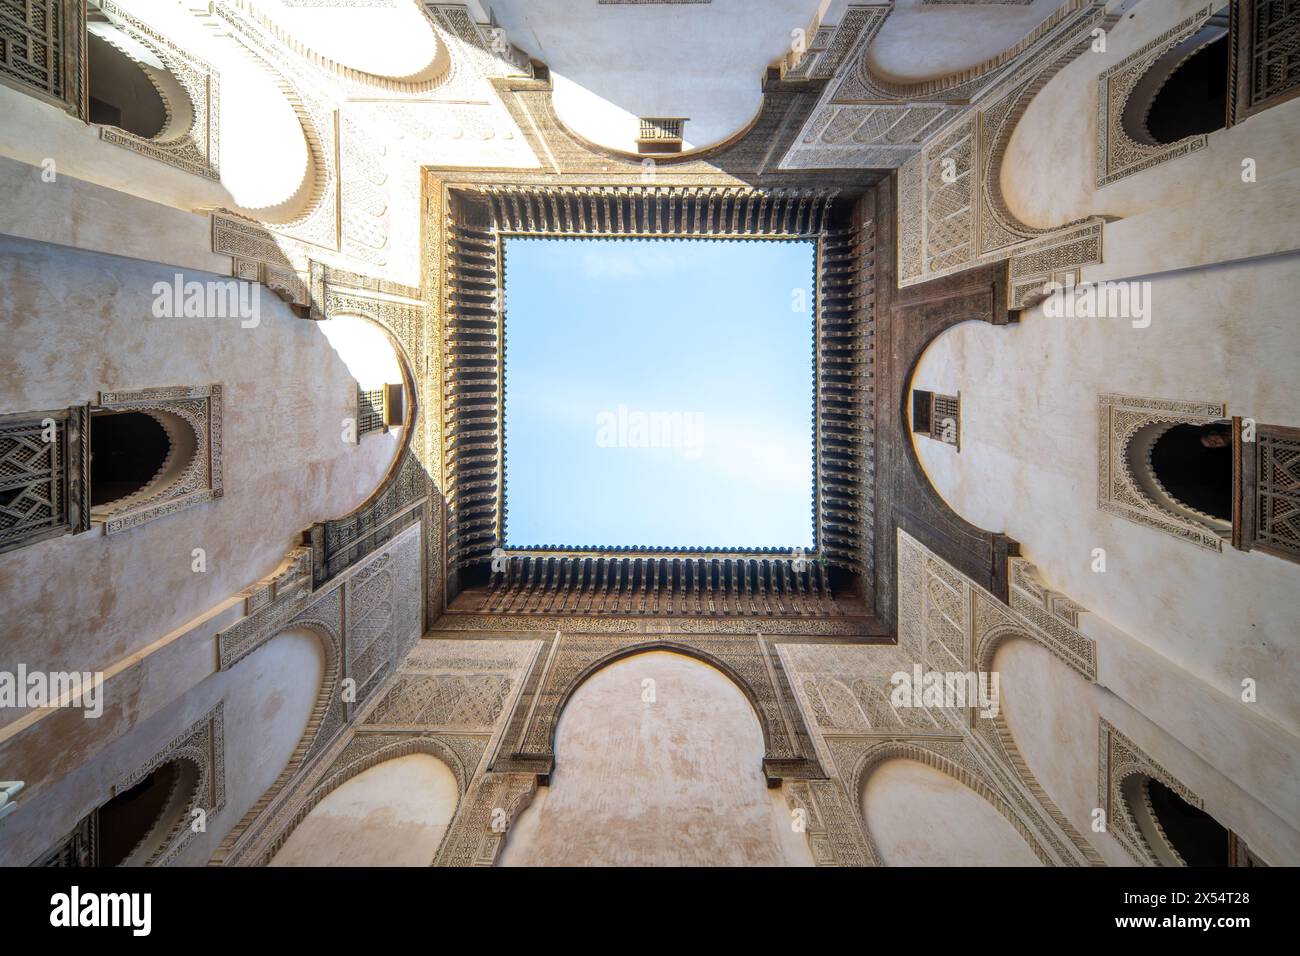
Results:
[614, 346]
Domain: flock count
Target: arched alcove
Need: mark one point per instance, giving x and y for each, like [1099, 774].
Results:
[121, 93]
[366, 349]
[127, 450]
[1186, 468]
[275, 701]
[135, 824]
[1183, 93]
[917, 815]
[936, 420]
[393, 814]
[384, 395]
[1195, 98]
[1177, 833]
[658, 762]
[134, 454]
[703, 63]
[1046, 721]
[268, 165]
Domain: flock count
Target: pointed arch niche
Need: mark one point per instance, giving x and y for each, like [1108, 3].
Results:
[917, 815]
[659, 762]
[392, 814]
[148, 94]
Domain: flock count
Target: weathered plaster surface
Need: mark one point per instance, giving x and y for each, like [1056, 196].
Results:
[80, 214]
[85, 323]
[1028, 462]
[675, 782]
[919, 816]
[393, 814]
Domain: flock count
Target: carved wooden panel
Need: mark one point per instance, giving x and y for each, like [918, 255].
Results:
[473, 357]
[1266, 502]
[44, 478]
[1265, 65]
[43, 49]
[198, 479]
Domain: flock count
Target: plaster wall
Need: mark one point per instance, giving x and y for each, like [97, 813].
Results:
[1054, 717]
[673, 782]
[394, 814]
[919, 816]
[1029, 457]
[88, 602]
[1049, 172]
[79, 214]
[267, 701]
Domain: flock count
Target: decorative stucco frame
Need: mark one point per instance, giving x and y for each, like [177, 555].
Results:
[528, 743]
[858, 757]
[952, 213]
[948, 622]
[1118, 154]
[364, 750]
[366, 619]
[865, 119]
[418, 711]
[202, 746]
[177, 486]
[1119, 490]
[945, 619]
[1119, 758]
[195, 148]
[831, 812]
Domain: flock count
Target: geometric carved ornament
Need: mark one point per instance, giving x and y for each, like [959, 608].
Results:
[188, 87]
[1127, 486]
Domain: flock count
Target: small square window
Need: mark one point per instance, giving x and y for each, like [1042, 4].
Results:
[370, 411]
[660, 134]
[937, 416]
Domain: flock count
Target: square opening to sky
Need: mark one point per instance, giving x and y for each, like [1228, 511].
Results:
[659, 393]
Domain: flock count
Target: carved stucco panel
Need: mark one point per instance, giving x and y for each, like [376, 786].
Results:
[1119, 758]
[1118, 155]
[1120, 419]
